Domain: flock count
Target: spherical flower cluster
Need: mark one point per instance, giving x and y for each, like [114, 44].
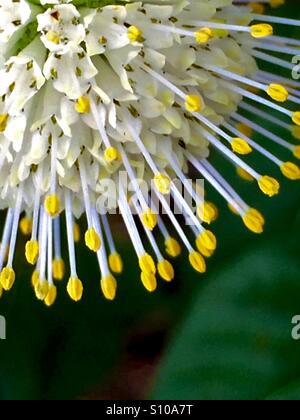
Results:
[92, 90]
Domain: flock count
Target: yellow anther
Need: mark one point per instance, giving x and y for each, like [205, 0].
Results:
[258, 8]
[296, 118]
[262, 30]
[52, 205]
[297, 152]
[269, 186]
[76, 232]
[240, 146]
[207, 253]
[116, 263]
[7, 278]
[244, 129]
[277, 3]
[1, 291]
[193, 103]
[254, 221]
[197, 262]
[135, 34]
[35, 278]
[207, 212]
[203, 35]
[51, 296]
[244, 175]
[296, 132]
[291, 171]
[58, 269]
[111, 155]
[26, 226]
[149, 219]
[166, 270]
[147, 264]
[149, 281]
[75, 289]
[32, 251]
[92, 240]
[173, 248]
[208, 240]
[277, 92]
[109, 287]
[83, 105]
[41, 289]
[53, 37]
[162, 183]
[3, 122]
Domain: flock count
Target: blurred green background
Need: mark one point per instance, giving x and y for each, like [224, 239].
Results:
[224, 335]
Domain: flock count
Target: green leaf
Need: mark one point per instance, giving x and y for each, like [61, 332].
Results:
[236, 341]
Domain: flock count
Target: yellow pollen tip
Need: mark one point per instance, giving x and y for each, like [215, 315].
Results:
[193, 103]
[296, 118]
[116, 263]
[162, 183]
[244, 129]
[240, 146]
[51, 296]
[53, 37]
[135, 34]
[3, 122]
[291, 171]
[92, 240]
[297, 152]
[258, 8]
[52, 205]
[261, 30]
[207, 253]
[277, 3]
[208, 240]
[76, 233]
[204, 35]
[296, 132]
[35, 279]
[109, 287]
[244, 175]
[173, 248]
[83, 105]
[32, 252]
[26, 226]
[197, 262]
[41, 289]
[207, 212]
[269, 186]
[147, 264]
[58, 268]
[7, 278]
[75, 289]
[149, 219]
[278, 92]
[166, 270]
[149, 281]
[254, 221]
[111, 155]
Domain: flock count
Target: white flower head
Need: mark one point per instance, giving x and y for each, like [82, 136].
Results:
[145, 89]
[61, 28]
[14, 15]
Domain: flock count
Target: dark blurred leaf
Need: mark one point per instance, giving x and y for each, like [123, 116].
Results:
[236, 341]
